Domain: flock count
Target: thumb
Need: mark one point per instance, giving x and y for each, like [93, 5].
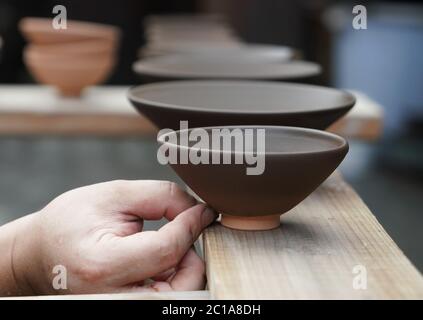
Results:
[145, 254]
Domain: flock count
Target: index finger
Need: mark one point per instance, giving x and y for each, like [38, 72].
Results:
[150, 199]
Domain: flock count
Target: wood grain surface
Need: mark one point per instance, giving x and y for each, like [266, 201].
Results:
[320, 250]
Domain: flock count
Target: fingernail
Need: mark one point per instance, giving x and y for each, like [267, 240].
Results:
[209, 215]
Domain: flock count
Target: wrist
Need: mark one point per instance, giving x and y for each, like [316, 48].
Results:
[21, 266]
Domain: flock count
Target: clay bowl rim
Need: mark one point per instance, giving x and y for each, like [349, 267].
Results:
[134, 90]
[38, 30]
[268, 52]
[145, 67]
[315, 132]
[43, 25]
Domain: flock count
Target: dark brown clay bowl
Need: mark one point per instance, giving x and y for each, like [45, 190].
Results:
[297, 161]
[213, 66]
[218, 103]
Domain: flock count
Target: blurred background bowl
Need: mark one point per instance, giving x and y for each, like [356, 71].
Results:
[69, 74]
[269, 53]
[41, 31]
[70, 59]
[80, 48]
[217, 66]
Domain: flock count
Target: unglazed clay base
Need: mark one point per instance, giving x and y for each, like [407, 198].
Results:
[70, 92]
[251, 223]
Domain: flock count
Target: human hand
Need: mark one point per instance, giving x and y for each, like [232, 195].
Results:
[95, 232]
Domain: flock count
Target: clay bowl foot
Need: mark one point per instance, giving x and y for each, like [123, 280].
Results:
[70, 92]
[258, 223]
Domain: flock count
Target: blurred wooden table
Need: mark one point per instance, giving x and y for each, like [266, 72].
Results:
[105, 111]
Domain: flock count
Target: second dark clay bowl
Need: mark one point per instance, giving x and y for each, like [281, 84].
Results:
[297, 161]
[216, 103]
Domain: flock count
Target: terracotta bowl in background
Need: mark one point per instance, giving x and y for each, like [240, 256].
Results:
[70, 74]
[217, 103]
[297, 161]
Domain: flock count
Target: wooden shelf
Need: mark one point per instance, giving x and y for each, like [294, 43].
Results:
[312, 255]
[105, 111]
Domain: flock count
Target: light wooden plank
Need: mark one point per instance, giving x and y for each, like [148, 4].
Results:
[60, 124]
[312, 255]
[364, 121]
[101, 111]
[174, 295]
[105, 110]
